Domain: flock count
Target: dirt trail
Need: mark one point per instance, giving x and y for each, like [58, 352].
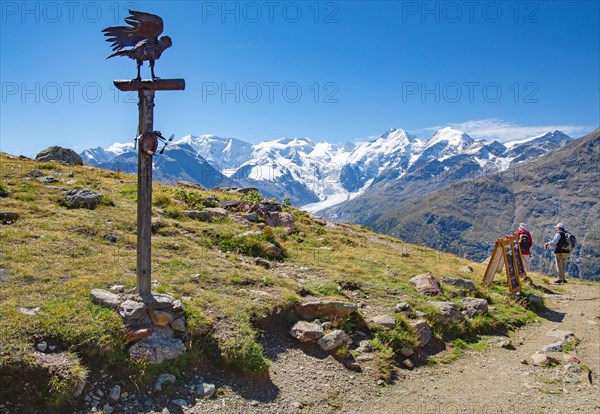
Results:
[493, 380]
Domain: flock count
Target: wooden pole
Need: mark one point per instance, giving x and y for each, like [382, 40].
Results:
[144, 191]
[146, 91]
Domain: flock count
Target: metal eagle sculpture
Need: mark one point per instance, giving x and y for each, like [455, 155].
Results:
[142, 36]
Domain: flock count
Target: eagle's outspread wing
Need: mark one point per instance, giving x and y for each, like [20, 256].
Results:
[142, 26]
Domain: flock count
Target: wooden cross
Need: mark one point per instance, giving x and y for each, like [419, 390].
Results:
[146, 90]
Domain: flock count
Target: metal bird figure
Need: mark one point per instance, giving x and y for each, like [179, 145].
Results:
[142, 36]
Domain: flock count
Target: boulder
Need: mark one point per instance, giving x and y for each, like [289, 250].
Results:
[200, 215]
[105, 298]
[268, 206]
[386, 321]
[231, 205]
[331, 308]
[56, 153]
[216, 212]
[334, 340]
[306, 331]
[8, 217]
[280, 219]
[555, 347]
[474, 306]
[425, 284]
[81, 198]
[160, 346]
[423, 331]
[460, 283]
[448, 312]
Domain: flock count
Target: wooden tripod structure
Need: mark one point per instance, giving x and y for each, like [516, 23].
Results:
[507, 254]
[146, 147]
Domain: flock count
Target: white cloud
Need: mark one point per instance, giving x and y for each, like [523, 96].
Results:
[503, 131]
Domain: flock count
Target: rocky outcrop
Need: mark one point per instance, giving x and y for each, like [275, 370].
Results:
[56, 153]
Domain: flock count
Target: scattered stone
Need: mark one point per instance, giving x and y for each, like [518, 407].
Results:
[81, 198]
[425, 284]
[352, 364]
[534, 299]
[423, 330]
[230, 204]
[364, 346]
[407, 351]
[8, 217]
[306, 331]
[159, 346]
[180, 402]
[56, 153]
[459, 282]
[280, 219]
[132, 310]
[178, 324]
[107, 409]
[162, 379]
[365, 357]
[543, 359]
[555, 347]
[42, 346]
[500, 342]
[134, 335]
[571, 359]
[115, 393]
[272, 251]
[524, 362]
[574, 368]
[408, 364]
[49, 179]
[160, 318]
[197, 215]
[206, 390]
[259, 261]
[474, 306]
[29, 311]
[297, 405]
[327, 325]
[331, 308]
[403, 307]
[105, 298]
[334, 340]
[562, 335]
[466, 269]
[404, 254]
[117, 288]
[35, 173]
[386, 321]
[268, 206]
[159, 301]
[252, 217]
[448, 312]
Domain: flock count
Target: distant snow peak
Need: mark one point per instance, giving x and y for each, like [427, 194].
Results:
[453, 137]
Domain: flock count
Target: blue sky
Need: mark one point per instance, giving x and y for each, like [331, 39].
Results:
[334, 71]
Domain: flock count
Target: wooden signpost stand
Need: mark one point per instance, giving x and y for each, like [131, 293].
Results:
[507, 254]
[147, 143]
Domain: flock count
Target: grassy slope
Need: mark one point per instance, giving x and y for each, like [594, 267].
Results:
[51, 258]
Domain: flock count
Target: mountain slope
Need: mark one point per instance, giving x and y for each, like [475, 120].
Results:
[466, 218]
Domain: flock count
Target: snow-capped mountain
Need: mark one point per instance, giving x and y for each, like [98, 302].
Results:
[318, 176]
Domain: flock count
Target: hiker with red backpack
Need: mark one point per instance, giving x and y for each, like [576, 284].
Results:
[563, 244]
[525, 243]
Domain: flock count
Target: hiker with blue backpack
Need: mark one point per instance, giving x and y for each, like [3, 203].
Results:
[563, 243]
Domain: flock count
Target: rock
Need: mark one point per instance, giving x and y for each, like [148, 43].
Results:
[259, 261]
[159, 301]
[56, 153]
[306, 331]
[555, 347]
[319, 220]
[159, 346]
[162, 379]
[180, 402]
[365, 357]
[460, 283]
[250, 233]
[115, 393]
[425, 284]
[406, 351]
[49, 179]
[252, 217]
[197, 215]
[334, 340]
[8, 217]
[534, 299]
[178, 324]
[160, 318]
[543, 359]
[29, 311]
[135, 334]
[42, 346]
[132, 310]
[280, 219]
[474, 306]
[386, 321]
[216, 212]
[81, 198]
[448, 312]
[571, 359]
[206, 390]
[107, 409]
[364, 346]
[576, 369]
[331, 308]
[500, 342]
[408, 364]
[231, 205]
[466, 269]
[105, 298]
[272, 251]
[562, 335]
[423, 330]
[267, 206]
[35, 173]
[403, 307]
